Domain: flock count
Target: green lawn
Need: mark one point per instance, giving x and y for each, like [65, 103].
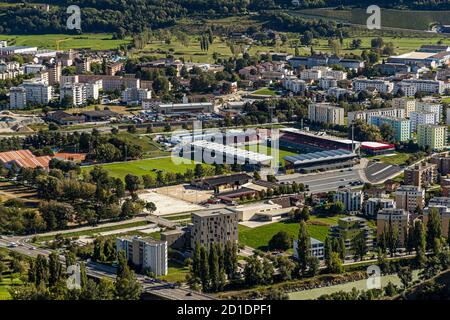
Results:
[145, 166]
[259, 237]
[399, 158]
[176, 272]
[149, 146]
[6, 284]
[98, 41]
[265, 91]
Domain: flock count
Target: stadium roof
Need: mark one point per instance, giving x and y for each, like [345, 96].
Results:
[240, 154]
[376, 145]
[321, 135]
[319, 156]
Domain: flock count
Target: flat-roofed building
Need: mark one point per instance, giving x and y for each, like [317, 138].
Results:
[373, 205]
[352, 199]
[326, 113]
[316, 249]
[146, 253]
[419, 117]
[401, 126]
[364, 84]
[37, 91]
[410, 198]
[432, 136]
[216, 226]
[367, 114]
[421, 175]
[200, 107]
[17, 98]
[349, 228]
[393, 219]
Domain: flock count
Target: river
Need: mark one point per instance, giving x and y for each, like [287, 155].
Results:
[360, 285]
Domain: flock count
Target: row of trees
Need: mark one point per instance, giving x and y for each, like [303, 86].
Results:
[210, 268]
[48, 280]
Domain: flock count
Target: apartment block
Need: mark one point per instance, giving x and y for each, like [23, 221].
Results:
[37, 91]
[442, 204]
[352, 199]
[373, 205]
[433, 136]
[401, 126]
[363, 84]
[77, 91]
[405, 103]
[214, 226]
[442, 162]
[421, 175]
[146, 253]
[419, 117]
[397, 219]
[384, 112]
[350, 227]
[316, 249]
[423, 85]
[409, 198]
[326, 113]
[435, 108]
[17, 98]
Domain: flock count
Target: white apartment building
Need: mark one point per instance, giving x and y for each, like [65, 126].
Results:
[373, 205]
[326, 113]
[335, 74]
[75, 90]
[382, 86]
[352, 199]
[327, 82]
[418, 117]
[423, 85]
[409, 198]
[33, 68]
[135, 95]
[337, 92]
[294, 84]
[37, 91]
[435, 108]
[93, 89]
[17, 98]
[408, 89]
[146, 253]
[68, 80]
[3, 43]
[311, 74]
[384, 112]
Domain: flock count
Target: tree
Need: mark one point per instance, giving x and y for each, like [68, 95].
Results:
[303, 246]
[276, 294]
[405, 275]
[132, 183]
[434, 230]
[328, 250]
[55, 269]
[204, 268]
[127, 287]
[307, 38]
[230, 259]
[313, 265]
[214, 272]
[280, 241]
[359, 246]
[420, 242]
[253, 271]
[335, 263]
[387, 132]
[2, 269]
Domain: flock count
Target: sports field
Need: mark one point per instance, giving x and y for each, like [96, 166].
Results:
[259, 237]
[145, 166]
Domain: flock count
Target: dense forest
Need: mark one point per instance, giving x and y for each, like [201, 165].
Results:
[135, 16]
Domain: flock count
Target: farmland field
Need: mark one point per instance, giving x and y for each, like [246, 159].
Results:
[142, 167]
[98, 41]
[259, 237]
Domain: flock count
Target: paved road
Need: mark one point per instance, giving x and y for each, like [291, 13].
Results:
[324, 181]
[161, 289]
[377, 171]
